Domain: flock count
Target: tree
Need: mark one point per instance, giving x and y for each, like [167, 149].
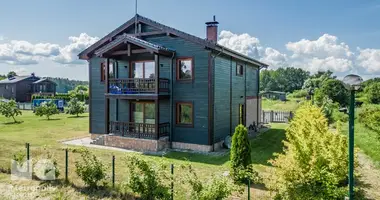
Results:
[335, 90]
[11, 74]
[75, 107]
[80, 92]
[314, 162]
[316, 80]
[283, 79]
[372, 92]
[47, 109]
[10, 109]
[240, 152]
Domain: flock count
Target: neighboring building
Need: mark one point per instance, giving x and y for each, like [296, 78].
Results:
[157, 87]
[21, 88]
[274, 95]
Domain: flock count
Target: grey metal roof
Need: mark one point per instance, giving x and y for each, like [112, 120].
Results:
[42, 80]
[204, 42]
[131, 39]
[14, 79]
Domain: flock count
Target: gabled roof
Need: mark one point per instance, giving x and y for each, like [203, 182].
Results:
[14, 79]
[169, 30]
[136, 41]
[43, 80]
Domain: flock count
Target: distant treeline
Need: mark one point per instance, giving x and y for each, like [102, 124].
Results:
[64, 85]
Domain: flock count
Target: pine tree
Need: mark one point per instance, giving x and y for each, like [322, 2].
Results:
[240, 153]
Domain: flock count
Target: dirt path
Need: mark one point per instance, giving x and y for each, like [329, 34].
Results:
[370, 175]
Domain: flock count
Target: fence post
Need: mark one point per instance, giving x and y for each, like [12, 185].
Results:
[249, 189]
[271, 116]
[66, 164]
[172, 184]
[113, 171]
[27, 145]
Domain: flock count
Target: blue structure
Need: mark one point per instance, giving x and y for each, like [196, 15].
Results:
[153, 86]
[58, 102]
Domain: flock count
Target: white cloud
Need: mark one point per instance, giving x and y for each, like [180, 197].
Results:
[19, 52]
[369, 59]
[250, 46]
[2, 37]
[69, 53]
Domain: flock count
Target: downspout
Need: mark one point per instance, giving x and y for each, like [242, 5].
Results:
[212, 87]
[171, 102]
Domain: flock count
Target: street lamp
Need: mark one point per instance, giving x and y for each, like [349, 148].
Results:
[352, 82]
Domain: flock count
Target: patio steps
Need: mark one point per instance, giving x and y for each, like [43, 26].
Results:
[98, 140]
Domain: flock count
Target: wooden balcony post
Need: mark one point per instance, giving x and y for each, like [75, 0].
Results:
[157, 117]
[157, 72]
[106, 100]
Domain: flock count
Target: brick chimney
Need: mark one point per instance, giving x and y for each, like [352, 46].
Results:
[212, 30]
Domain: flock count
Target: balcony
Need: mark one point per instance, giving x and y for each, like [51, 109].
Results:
[139, 130]
[138, 87]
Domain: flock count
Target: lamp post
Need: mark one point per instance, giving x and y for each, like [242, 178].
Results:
[352, 83]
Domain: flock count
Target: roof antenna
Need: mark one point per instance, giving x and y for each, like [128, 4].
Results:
[136, 17]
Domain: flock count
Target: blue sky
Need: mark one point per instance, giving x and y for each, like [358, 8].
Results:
[41, 29]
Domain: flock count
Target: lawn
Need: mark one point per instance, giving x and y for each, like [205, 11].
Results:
[290, 105]
[41, 133]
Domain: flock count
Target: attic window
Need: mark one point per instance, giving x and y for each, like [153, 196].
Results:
[239, 69]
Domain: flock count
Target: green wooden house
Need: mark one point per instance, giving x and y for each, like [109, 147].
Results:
[154, 87]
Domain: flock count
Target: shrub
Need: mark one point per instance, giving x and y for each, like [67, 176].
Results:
[90, 169]
[369, 115]
[335, 90]
[372, 93]
[146, 179]
[240, 152]
[19, 157]
[47, 168]
[10, 109]
[218, 187]
[47, 109]
[75, 107]
[298, 94]
[314, 162]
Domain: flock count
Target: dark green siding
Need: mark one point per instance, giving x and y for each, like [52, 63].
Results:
[252, 80]
[195, 92]
[97, 97]
[222, 98]
[238, 97]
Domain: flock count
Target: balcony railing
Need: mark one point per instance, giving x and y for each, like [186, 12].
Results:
[137, 85]
[139, 130]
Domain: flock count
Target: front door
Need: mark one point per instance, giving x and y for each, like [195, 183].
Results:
[143, 116]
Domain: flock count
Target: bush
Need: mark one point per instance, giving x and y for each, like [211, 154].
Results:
[218, 187]
[369, 115]
[47, 109]
[63, 96]
[146, 179]
[46, 165]
[240, 152]
[75, 107]
[10, 109]
[90, 169]
[314, 163]
[372, 93]
[335, 90]
[298, 94]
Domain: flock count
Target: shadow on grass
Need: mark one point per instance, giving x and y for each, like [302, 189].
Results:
[77, 117]
[266, 144]
[10, 123]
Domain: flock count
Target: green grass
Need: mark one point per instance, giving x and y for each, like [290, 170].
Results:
[41, 133]
[290, 105]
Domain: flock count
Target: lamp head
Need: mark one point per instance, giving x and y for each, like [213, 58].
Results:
[352, 81]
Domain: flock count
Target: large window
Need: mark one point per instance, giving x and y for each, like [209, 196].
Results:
[143, 113]
[185, 69]
[239, 69]
[143, 69]
[184, 114]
